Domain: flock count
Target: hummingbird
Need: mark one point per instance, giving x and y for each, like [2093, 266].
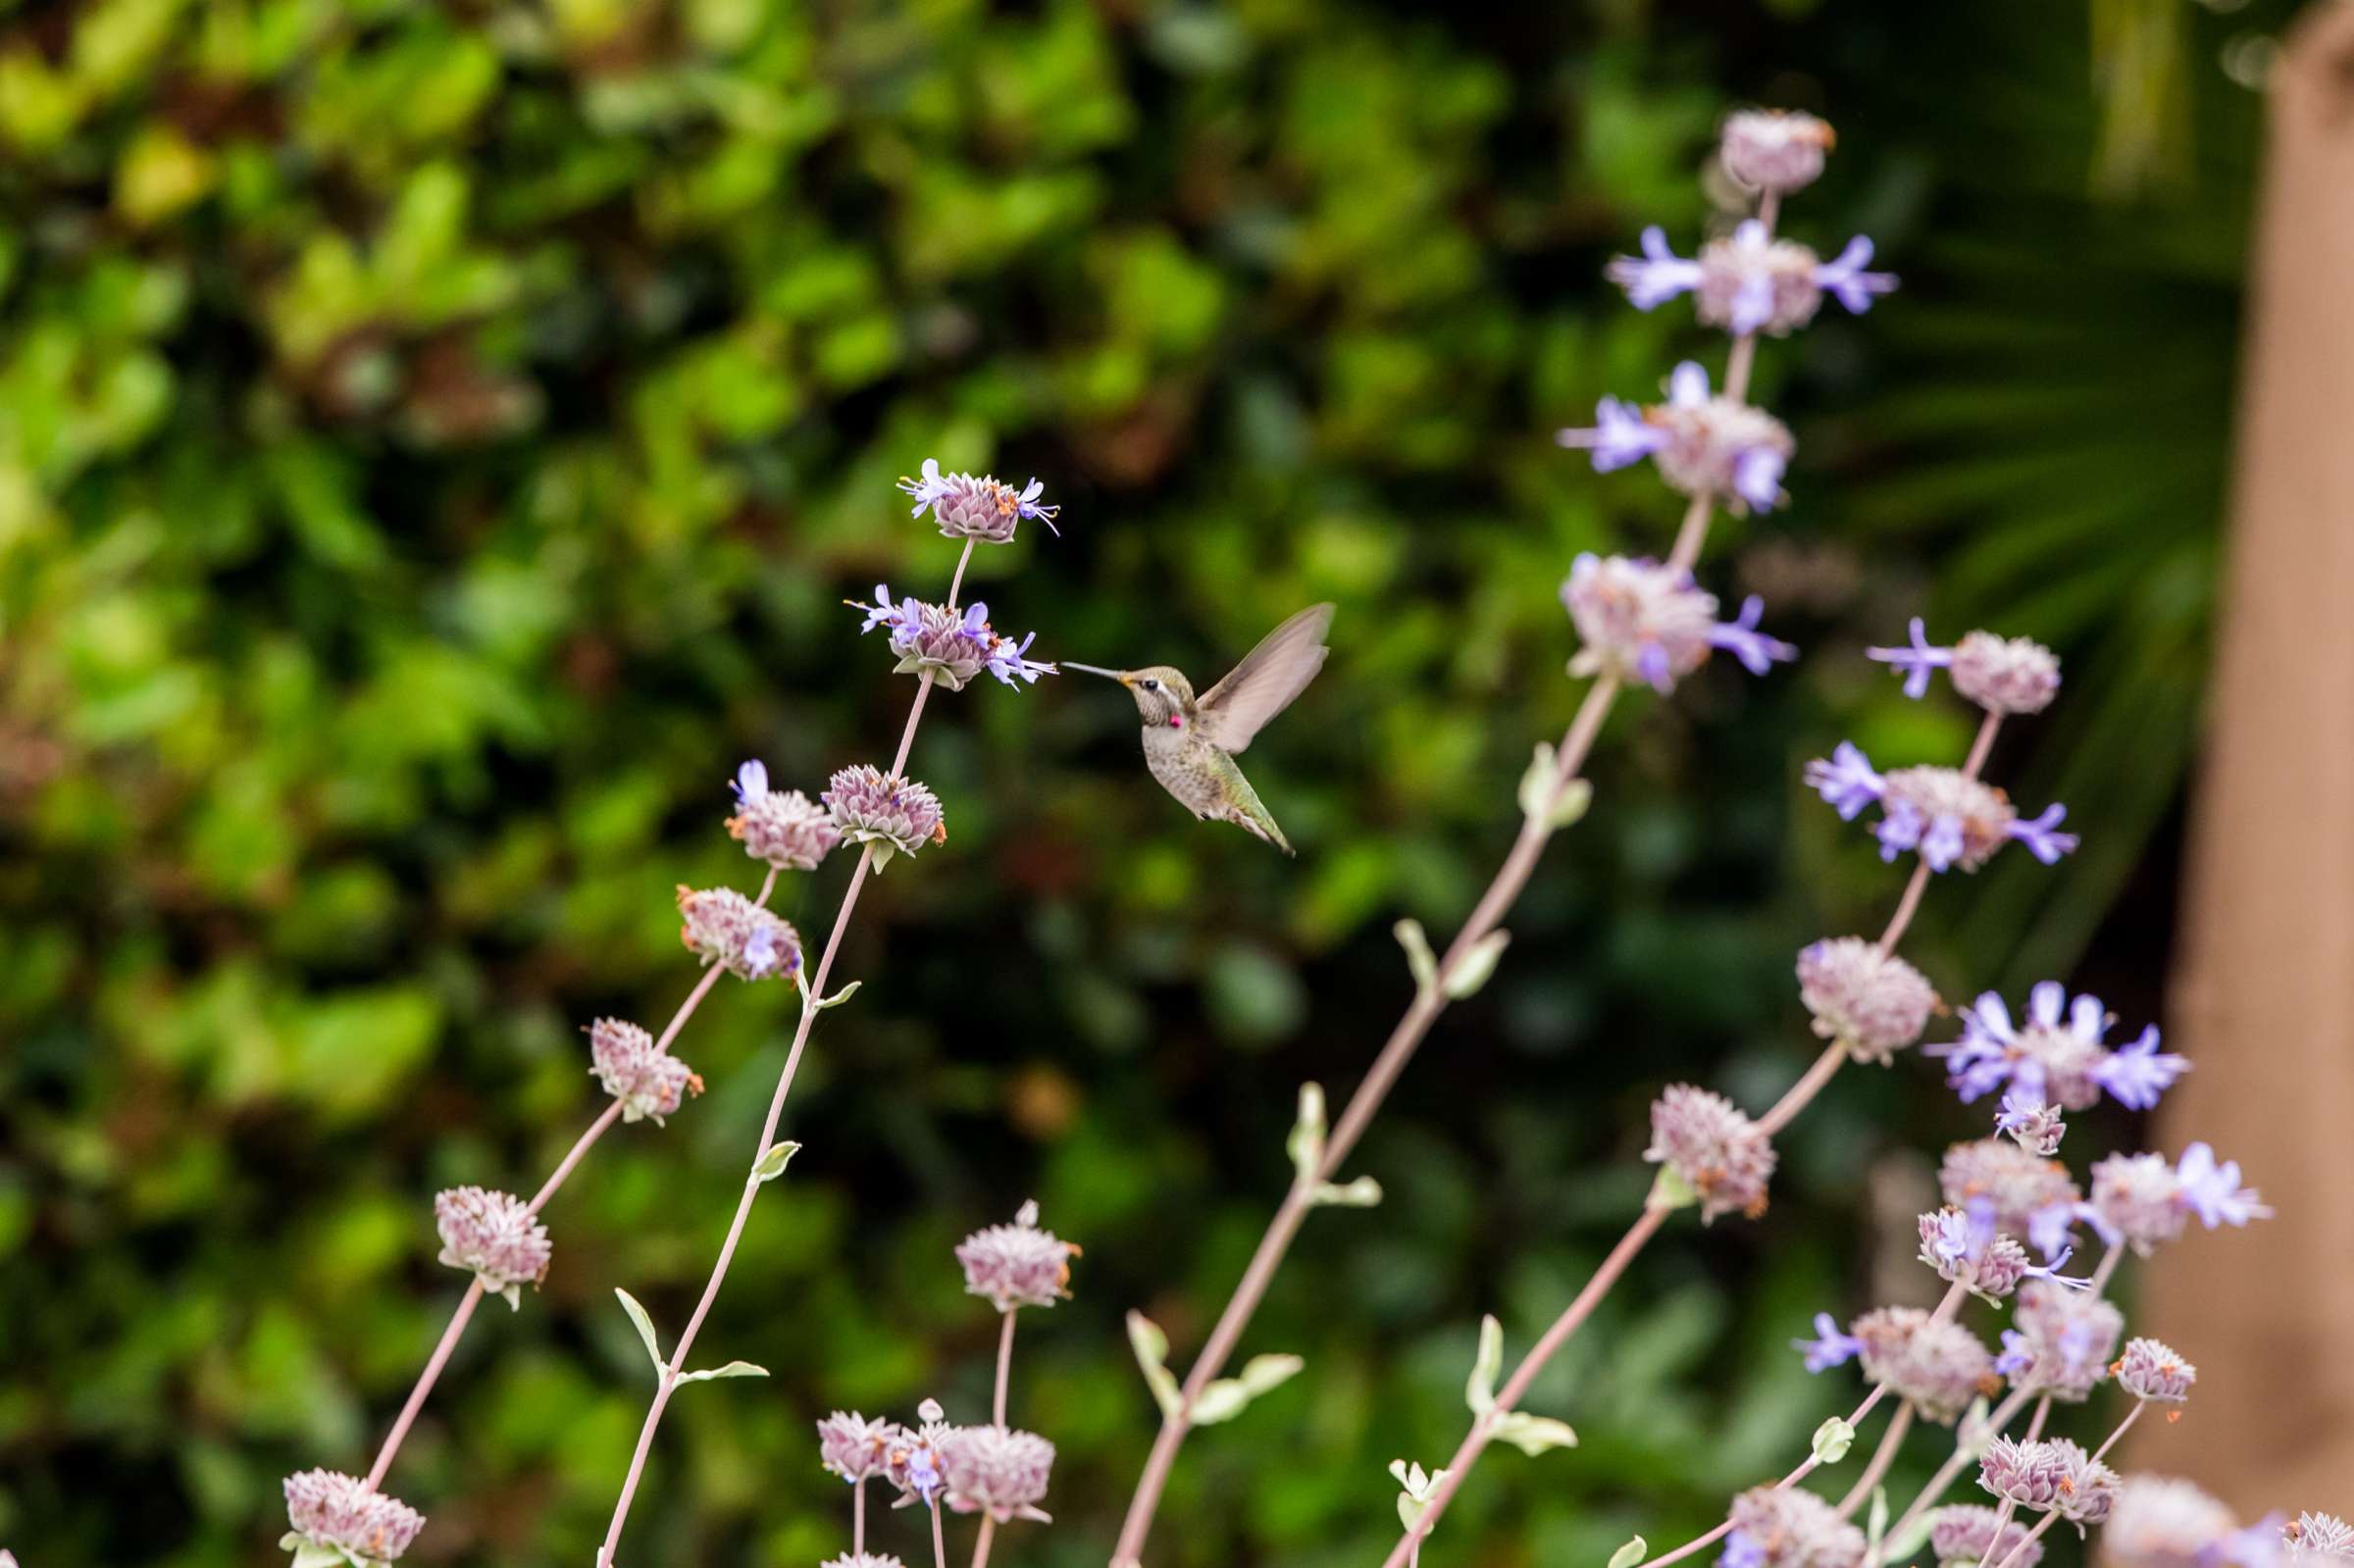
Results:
[1191, 743]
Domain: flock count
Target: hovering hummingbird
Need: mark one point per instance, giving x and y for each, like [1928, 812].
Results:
[1191, 743]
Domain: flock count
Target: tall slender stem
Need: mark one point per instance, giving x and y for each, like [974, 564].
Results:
[981, 1542]
[425, 1381]
[1407, 1035]
[1881, 1458]
[2034, 1535]
[1994, 1537]
[1999, 1419]
[859, 1518]
[556, 1178]
[939, 1541]
[1004, 1368]
[2123, 1427]
[1507, 1397]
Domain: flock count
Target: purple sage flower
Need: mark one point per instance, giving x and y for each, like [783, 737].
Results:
[855, 1448]
[889, 814]
[1964, 1534]
[495, 1237]
[2212, 1191]
[1714, 1148]
[1779, 1527]
[949, 644]
[1017, 1265]
[2317, 1541]
[997, 1471]
[720, 925]
[2150, 1370]
[1702, 445]
[648, 1081]
[975, 508]
[1750, 282]
[1937, 1364]
[1872, 1003]
[784, 829]
[1775, 150]
[344, 1516]
[1829, 1347]
[1942, 814]
[1649, 623]
[2002, 675]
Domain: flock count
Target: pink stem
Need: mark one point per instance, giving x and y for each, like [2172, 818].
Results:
[957, 581]
[2036, 1534]
[1004, 1367]
[981, 1542]
[425, 1382]
[753, 1184]
[859, 1518]
[547, 1190]
[1881, 1458]
[940, 1542]
[1467, 1454]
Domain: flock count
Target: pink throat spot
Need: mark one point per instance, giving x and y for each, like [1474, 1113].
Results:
[1176, 723]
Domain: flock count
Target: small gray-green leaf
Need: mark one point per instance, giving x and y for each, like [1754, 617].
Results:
[1876, 1524]
[841, 996]
[1418, 956]
[1152, 1348]
[1833, 1439]
[734, 1369]
[1305, 1145]
[1362, 1193]
[1669, 1191]
[772, 1164]
[1536, 790]
[646, 1326]
[1534, 1434]
[1222, 1400]
[1265, 1372]
[1479, 1390]
[1475, 966]
[1628, 1555]
[1901, 1548]
[310, 1554]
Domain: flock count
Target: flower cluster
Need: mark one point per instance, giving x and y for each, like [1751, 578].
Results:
[950, 644]
[1017, 1265]
[1646, 622]
[1774, 150]
[2002, 675]
[993, 1469]
[2058, 1057]
[2316, 1539]
[1712, 1147]
[2161, 1523]
[890, 815]
[1702, 445]
[2063, 1337]
[647, 1080]
[1750, 282]
[1965, 1534]
[980, 508]
[782, 828]
[494, 1236]
[2051, 1476]
[2151, 1371]
[1946, 816]
[1776, 1527]
[723, 927]
[341, 1518]
[1872, 1003]
[2142, 1200]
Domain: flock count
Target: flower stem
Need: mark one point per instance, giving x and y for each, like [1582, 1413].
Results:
[2123, 1427]
[981, 1541]
[859, 1518]
[1408, 1035]
[1475, 1442]
[547, 1190]
[940, 1542]
[2041, 1525]
[1004, 1367]
[425, 1380]
[1881, 1458]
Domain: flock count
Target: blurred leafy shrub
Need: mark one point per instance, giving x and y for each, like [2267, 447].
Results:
[434, 440]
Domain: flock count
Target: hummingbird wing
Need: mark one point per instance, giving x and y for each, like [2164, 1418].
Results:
[1265, 683]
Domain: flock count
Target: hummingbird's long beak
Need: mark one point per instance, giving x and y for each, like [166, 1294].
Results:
[1089, 669]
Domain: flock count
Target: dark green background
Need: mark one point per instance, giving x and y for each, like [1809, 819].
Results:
[433, 446]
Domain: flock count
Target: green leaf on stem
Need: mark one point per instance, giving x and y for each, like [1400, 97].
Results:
[1152, 1348]
[1876, 1524]
[1362, 1193]
[1472, 972]
[1419, 957]
[772, 1164]
[1534, 1434]
[1628, 1555]
[1831, 1442]
[734, 1369]
[646, 1326]
[1537, 798]
[1413, 1497]
[1305, 1145]
[1669, 1191]
[1479, 1391]
[839, 996]
[1228, 1397]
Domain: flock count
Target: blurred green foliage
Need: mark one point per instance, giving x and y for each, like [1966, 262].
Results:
[434, 440]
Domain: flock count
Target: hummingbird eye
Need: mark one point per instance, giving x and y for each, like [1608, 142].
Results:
[1151, 685]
